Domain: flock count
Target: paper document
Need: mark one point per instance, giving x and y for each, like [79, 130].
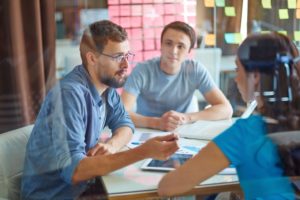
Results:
[205, 130]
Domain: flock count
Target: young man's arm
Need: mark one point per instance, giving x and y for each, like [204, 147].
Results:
[220, 108]
[98, 165]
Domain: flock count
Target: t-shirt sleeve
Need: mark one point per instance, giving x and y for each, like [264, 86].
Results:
[204, 80]
[134, 82]
[231, 143]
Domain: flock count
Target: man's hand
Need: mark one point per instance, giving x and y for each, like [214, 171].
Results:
[160, 147]
[101, 149]
[171, 120]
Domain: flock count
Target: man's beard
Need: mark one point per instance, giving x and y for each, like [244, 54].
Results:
[113, 82]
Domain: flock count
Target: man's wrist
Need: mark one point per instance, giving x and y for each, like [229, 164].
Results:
[188, 118]
[141, 152]
[154, 123]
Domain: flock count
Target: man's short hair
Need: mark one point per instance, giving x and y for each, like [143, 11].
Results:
[183, 27]
[97, 35]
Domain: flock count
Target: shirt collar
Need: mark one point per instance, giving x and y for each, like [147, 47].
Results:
[97, 98]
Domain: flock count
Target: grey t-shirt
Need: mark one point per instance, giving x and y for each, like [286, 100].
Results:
[158, 92]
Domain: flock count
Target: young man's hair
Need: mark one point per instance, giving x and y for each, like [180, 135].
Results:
[183, 27]
[97, 35]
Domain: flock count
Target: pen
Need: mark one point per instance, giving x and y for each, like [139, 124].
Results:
[135, 143]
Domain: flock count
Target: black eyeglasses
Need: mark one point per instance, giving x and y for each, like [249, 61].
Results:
[119, 58]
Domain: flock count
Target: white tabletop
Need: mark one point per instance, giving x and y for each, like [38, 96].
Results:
[131, 180]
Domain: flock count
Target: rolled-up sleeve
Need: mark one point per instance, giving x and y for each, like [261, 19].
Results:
[118, 116]
[69, 133]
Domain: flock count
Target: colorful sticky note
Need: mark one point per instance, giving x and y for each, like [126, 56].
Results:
[210, 40]
[298, 4]
[298, 13]
[136, 10]
[233, 38]
[149, 44]
[263, 32]
[266, 4]
[282, 32]
[209, 3]
[283, 13]
[230, 11]
[220, 3]
[292, 4]
[114, 11]
[297, 35]
[111, 2]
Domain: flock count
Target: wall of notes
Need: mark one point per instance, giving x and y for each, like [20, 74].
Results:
[145, 19]
[260, 16]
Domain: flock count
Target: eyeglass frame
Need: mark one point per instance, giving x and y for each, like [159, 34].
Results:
[121, 57]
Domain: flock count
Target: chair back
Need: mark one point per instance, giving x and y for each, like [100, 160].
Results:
[12, 154]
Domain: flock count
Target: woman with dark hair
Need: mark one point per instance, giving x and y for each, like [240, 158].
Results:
[266, 72]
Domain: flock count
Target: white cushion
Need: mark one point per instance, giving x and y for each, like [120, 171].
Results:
[12, 153]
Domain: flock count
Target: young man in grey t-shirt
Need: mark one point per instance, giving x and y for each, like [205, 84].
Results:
[162, 88]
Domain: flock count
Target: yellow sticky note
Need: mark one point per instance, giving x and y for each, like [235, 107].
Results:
[283, 13]
[210, 40]
[220, 3]
[297, 35]
[230, 11]
[264, 32]
[292, 4]
[298, 13]
[209, 3]
[266, 4]
[298, 4]
[282, 32]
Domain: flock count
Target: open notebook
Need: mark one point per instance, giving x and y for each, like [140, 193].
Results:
[207, 130]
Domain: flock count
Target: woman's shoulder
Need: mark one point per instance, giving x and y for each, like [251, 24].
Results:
[252, 126]
[252, 119]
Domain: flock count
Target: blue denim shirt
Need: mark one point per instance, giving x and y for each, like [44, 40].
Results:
[68, 125]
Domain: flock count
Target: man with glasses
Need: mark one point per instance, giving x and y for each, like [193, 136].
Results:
[162, 88]
[64, 150]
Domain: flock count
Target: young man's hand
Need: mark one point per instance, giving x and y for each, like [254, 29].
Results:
[161, 147]
[170, 120]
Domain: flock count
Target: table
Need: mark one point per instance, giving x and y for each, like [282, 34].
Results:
[132, 183]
